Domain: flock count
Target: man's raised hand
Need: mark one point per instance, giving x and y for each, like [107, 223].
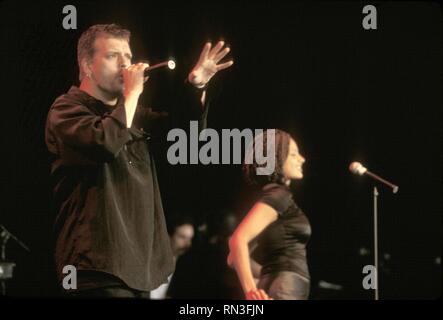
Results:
[208, 64]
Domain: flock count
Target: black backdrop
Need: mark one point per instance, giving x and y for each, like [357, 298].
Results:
[345, 93]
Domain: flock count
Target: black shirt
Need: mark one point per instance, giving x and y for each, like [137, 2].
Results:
[109, 210]
[282, 245]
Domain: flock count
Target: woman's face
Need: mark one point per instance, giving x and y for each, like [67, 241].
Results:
[292, 168]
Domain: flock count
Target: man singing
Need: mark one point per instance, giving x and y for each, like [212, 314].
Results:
[110, 223]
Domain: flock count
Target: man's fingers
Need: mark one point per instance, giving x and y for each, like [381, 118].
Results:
[224, 65]
[205, 52]
[142, 66]
[216, 49]
[138, 66]
[221, 54]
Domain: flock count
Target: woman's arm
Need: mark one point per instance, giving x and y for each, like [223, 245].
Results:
[258, 218]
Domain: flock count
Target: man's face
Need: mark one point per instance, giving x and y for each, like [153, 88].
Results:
[181, 240]
[110, 57]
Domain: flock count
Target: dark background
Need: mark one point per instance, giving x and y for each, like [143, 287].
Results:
[345, 93]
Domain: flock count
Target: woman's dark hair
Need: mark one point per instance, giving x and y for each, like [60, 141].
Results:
[281, 147]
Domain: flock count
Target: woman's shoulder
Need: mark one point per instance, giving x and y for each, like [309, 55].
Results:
[277, 196]
[276, 189]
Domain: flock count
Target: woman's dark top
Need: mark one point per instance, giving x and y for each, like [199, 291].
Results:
[282, 245]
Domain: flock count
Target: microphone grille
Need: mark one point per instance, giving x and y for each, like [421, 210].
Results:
[357, 168]
[171, 64]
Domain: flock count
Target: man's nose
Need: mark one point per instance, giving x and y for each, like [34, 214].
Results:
[124, 63]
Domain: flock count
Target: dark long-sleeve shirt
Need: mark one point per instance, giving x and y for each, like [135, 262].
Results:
[109, 210]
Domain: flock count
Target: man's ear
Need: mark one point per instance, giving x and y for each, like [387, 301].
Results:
[86, 66]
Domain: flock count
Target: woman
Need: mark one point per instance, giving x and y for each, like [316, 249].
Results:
[279, 227]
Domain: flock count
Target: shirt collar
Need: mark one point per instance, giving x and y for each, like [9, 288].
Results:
[87, 99]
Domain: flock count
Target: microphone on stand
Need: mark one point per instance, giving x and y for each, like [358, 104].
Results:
[358, 168]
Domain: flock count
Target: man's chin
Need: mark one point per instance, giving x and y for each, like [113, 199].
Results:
[114, 91]
[118, 89]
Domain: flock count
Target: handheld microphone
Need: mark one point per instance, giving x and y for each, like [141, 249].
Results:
[358, 168]
[170, 64]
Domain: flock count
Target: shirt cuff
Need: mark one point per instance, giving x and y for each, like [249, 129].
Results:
[119, 113]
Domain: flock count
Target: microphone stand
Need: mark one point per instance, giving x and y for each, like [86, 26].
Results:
[7, 267]
[375, 193]
[357, 168]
